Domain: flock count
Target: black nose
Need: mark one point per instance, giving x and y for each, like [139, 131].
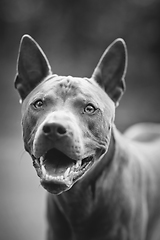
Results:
[57, 129]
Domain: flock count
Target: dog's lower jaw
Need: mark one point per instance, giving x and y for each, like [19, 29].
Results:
[54, 187]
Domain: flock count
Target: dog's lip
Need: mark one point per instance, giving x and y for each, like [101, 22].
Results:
[62, 171]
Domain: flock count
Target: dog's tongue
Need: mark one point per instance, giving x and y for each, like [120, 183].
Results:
[54, 169]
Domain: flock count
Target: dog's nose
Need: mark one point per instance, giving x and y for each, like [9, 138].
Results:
[50, 129]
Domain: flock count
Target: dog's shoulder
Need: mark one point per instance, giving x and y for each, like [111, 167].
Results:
[143, 132]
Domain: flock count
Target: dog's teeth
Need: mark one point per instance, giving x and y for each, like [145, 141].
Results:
[41, 160]
[48, 177]
[78, 163]
[66, 172]
[58, 178]
[43, 170]
[61, 177]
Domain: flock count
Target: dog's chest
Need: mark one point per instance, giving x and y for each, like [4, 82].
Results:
[94, 219]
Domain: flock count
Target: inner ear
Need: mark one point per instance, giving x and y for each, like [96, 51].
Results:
[32, 66]
[111, 70]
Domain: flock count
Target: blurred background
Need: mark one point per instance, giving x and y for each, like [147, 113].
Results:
[73, 35]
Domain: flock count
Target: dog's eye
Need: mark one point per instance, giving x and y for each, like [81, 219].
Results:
[90, 109]
[38, 104]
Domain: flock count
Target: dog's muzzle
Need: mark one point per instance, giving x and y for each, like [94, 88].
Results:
[58, 172]
[59, 155]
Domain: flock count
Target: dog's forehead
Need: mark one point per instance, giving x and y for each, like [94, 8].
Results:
[68, 87]
[71, 86]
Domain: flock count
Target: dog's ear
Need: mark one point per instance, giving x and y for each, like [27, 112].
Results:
[111, 70]
[32, 66]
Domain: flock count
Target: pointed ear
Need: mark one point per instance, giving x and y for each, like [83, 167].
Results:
[32, 66]
[111, 70]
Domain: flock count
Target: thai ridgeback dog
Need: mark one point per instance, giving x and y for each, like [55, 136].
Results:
[102, 185]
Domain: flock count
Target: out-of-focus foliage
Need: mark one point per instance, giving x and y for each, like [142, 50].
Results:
[75, 33]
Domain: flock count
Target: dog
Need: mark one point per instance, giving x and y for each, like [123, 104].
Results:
[102, 185]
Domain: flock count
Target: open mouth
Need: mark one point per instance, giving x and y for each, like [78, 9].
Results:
[60, 171]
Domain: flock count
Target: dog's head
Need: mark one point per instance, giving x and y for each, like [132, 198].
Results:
[67, 121]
